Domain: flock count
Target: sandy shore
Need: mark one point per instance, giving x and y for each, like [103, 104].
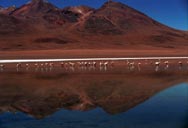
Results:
[92, 53]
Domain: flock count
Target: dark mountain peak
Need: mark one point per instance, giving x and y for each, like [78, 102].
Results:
[118, 7]
[34, 7]
[7, 10]
[1, 9]
[41, 5]
[38, 1]
[118, 18]
[112, 4]
[74, 13]
[82, 9]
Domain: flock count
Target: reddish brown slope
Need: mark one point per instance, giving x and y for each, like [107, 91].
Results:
[76, 13]
[115, 17]
[34, 8]
[11, 25]
[8, 10]
[114, 25]
[40, 9]
[131, 26]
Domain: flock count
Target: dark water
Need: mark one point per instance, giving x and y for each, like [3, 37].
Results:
[167, 109]
[93, 101]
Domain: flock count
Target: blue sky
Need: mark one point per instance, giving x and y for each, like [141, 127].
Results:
[173, 13]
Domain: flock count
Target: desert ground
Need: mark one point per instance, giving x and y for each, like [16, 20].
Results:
[93, 53]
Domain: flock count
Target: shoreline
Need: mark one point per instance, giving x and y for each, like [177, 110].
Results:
[92, 53]
[89, 59]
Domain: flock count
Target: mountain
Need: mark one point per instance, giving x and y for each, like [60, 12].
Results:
[117, 18]
[119, 24]
[34, 8]
[10, 25]
[1, 7]
[7, 10]
[75, 13]
[43, 10]
[114, 25]
[79, 9]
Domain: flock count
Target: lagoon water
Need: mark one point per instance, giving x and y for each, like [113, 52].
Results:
[113, 101]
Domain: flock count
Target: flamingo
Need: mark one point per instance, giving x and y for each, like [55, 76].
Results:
[166, 64]
[71, 64]
[62, 64]
[180, 64]
[94, 64]
[157, 66]
[85, 64]
[131, 66]
[41, 65]
[2, 67]
[27, 65]
[51, 64]
[139, 66]
[101, 64]
[106, 64]
[36, 65]
[46, 64]
[18, 65]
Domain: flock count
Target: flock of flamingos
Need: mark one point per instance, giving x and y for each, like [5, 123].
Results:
[130, 65]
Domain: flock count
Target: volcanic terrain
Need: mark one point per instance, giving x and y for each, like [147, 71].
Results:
[39, 25]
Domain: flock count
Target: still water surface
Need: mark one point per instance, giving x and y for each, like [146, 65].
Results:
[93, 101]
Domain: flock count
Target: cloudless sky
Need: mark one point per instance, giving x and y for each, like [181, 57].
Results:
[173, 13]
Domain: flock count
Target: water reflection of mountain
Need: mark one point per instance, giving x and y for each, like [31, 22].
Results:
[41, 95]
